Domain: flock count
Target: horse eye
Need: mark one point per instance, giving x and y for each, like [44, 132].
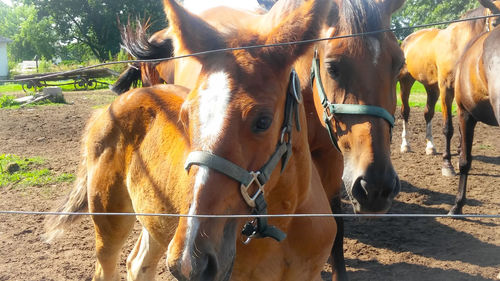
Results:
[333, 69]
[262, 123]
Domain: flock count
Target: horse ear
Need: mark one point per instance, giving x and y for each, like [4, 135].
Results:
[490, 5]
[304, 23]
[390, 6]
[191, 34]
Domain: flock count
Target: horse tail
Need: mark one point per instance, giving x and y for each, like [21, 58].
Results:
[129, 77]
[76, 201]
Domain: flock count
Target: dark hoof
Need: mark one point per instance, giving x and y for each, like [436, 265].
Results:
[455, 210]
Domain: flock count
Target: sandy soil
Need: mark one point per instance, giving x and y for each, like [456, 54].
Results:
[381, 249]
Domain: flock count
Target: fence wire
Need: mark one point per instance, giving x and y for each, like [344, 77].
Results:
[251, 47]
[461, 216]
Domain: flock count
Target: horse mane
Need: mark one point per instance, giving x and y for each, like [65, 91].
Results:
[136, 42]
[474, 25]
[358, 16]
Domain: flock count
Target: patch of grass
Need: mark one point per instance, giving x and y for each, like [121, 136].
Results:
[418, 98]
[28, 172]
[7, 101]
[66, 85]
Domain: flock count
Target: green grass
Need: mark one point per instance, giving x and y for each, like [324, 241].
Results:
[30, 173]
[418, 98]
[7, 101]
[15, 87]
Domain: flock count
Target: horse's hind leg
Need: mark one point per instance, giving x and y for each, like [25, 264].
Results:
[405, 82]
[467, 125]
[432, 97]
[142, 261]
[108, 194]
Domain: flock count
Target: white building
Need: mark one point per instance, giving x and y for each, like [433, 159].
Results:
[4, 66]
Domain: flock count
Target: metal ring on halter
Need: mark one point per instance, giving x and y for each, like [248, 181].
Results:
[250, 199]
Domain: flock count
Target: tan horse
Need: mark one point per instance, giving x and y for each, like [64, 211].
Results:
[431, 56]
[241, 116]
[375, 60]
[477, 91]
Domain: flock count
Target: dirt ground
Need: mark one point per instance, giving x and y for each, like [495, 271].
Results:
[380, 249]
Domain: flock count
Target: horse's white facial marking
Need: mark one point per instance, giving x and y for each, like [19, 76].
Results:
[213, 101]
[374, 45]
[193, 223]
[351, 172]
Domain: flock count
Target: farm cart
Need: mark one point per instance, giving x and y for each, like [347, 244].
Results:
[82, 80]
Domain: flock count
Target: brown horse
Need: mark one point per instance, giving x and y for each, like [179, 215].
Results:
[477, 91]
[243, 114]
[364, 140]
[431, 56]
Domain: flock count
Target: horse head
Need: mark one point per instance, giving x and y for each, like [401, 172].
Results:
[241, 117]
[354, 91]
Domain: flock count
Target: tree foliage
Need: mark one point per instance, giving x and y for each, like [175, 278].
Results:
[94, 24]
[30, 36]
[416, 12]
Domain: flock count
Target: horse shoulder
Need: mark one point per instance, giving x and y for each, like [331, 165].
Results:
[491, 59]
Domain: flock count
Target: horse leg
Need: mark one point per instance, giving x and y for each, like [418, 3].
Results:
[432, 97]
[339, 272]
[467, 125]
[446, 101]
[142, 261]
[108, 194]
[405, 83]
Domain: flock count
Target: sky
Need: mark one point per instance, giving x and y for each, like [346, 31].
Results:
[198, 6]
[6, 2]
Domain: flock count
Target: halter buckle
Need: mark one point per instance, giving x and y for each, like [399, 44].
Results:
[250, 199]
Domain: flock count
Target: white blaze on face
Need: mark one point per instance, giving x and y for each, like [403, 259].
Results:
[374, 45]
[213, 100]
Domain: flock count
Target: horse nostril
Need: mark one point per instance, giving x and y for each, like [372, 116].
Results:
[359, 191]
[210, 270]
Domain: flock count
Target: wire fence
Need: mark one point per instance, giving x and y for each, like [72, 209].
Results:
[460, 216]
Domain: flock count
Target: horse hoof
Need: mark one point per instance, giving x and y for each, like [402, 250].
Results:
[455, 210]
[405, 148]
[448, 172]
[430, 151]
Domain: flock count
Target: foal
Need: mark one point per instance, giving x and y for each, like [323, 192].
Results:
[237, 141]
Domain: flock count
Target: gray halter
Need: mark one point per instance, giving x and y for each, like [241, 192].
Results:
[258, 228]
[331, 109]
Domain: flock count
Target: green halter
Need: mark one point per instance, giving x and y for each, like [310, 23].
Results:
[259, 227]
[330, 109]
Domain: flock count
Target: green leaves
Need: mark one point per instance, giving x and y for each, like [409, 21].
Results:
[416, 12]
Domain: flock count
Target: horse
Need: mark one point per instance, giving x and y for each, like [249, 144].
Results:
[376, 60]
[477, 92]
[431, 56]
[236, 143]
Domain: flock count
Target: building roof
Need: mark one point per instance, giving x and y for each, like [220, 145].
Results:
[4, 40]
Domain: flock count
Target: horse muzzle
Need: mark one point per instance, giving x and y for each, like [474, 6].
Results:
[206, 257]
[374, 195]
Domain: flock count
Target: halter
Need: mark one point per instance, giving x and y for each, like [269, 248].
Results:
[258, 228]
[330, 109]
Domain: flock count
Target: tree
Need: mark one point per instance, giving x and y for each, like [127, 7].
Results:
[416, 12]
[94, 23]
[30, 36]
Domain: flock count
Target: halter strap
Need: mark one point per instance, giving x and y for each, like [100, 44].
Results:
[330, 109]
[259, 227]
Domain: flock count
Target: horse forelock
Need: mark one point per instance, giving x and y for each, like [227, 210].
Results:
[358, 16]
